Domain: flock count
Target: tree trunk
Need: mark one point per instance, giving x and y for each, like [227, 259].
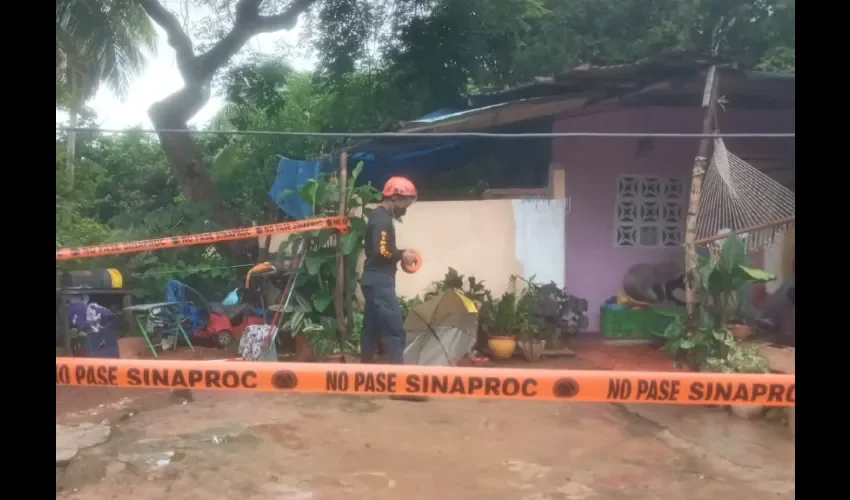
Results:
[197, 70]
[187, 161]
[71, 145]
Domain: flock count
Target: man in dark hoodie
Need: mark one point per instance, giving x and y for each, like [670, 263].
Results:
[382, 321]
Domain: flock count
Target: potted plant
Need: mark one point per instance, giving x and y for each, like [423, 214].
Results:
[558, 313]
[498, 319]
[532, 335]
[506, 319]
[474, 290]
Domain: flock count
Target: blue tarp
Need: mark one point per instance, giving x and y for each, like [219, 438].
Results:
[291, 174]
[413, 158]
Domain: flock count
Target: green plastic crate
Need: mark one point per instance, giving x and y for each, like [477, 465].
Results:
[622, 323]
[657, 319]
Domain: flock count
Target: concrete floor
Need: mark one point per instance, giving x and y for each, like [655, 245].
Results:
[302, 447]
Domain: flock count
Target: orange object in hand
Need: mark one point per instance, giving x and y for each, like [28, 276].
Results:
[411, 265]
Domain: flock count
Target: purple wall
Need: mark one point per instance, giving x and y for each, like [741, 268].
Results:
[594, 265]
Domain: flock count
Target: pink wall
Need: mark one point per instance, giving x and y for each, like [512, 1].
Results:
[594, 266]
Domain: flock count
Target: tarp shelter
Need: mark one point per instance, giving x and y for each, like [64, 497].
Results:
[421, 158]
[441, 330]
[416, 158]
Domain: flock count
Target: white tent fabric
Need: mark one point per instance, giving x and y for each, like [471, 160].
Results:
[441, 330]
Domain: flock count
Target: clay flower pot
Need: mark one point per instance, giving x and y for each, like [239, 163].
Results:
[740, 331]
[303, 348]
[532, 350]
[334, 358]
[501, 347]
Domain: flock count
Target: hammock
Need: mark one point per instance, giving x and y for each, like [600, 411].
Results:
[738, 198]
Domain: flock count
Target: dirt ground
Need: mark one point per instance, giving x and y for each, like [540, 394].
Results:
[313, 447]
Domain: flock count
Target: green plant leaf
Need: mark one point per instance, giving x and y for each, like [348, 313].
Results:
[295, 323]
[719, 281]
[303, 303]
[358, 225]
[733, 253]
[350, 242]
[706, 319]
[321, 237]
[308, 192]
[315, 260]
[357, 170]
[321, 300]
[329, 325]
[705, 268]
[750, 275]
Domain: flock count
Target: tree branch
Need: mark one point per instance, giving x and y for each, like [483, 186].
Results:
[177, 38]
[248, 23]
[285, 20]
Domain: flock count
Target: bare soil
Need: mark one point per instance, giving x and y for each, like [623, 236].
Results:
[304, 447]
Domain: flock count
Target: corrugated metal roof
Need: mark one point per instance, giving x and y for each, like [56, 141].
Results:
[673, 78]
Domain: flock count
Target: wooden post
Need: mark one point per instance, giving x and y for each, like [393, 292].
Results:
[339, 298]
[701, 164]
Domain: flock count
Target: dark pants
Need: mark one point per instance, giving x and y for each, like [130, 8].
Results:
[381, 318]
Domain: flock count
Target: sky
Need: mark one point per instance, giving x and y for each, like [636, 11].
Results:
[161, 77]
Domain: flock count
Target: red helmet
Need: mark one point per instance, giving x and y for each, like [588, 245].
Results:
[399, 186]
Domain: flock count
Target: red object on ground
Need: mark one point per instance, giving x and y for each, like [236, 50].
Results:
[227, 323]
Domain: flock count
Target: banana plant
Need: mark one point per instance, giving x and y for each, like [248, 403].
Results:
[722, 278]
[318, 282]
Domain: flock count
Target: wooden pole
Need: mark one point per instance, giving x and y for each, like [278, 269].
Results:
[339, 298]
[701, 163]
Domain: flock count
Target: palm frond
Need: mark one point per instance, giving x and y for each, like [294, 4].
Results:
[101, 41]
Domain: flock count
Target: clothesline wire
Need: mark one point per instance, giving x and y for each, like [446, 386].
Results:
[376, 135]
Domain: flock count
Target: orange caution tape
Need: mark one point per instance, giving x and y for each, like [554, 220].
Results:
[338, 223]
[585, 386]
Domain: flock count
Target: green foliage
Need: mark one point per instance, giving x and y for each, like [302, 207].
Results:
[452, 47]
[474, 290]
[710, 345]
[315, 317]
[512, 313]
[710, 348]
[721, 279]
[125, 191]
[407, 304]
[99, 41]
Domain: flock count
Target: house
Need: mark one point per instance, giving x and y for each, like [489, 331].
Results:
[574, 223]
